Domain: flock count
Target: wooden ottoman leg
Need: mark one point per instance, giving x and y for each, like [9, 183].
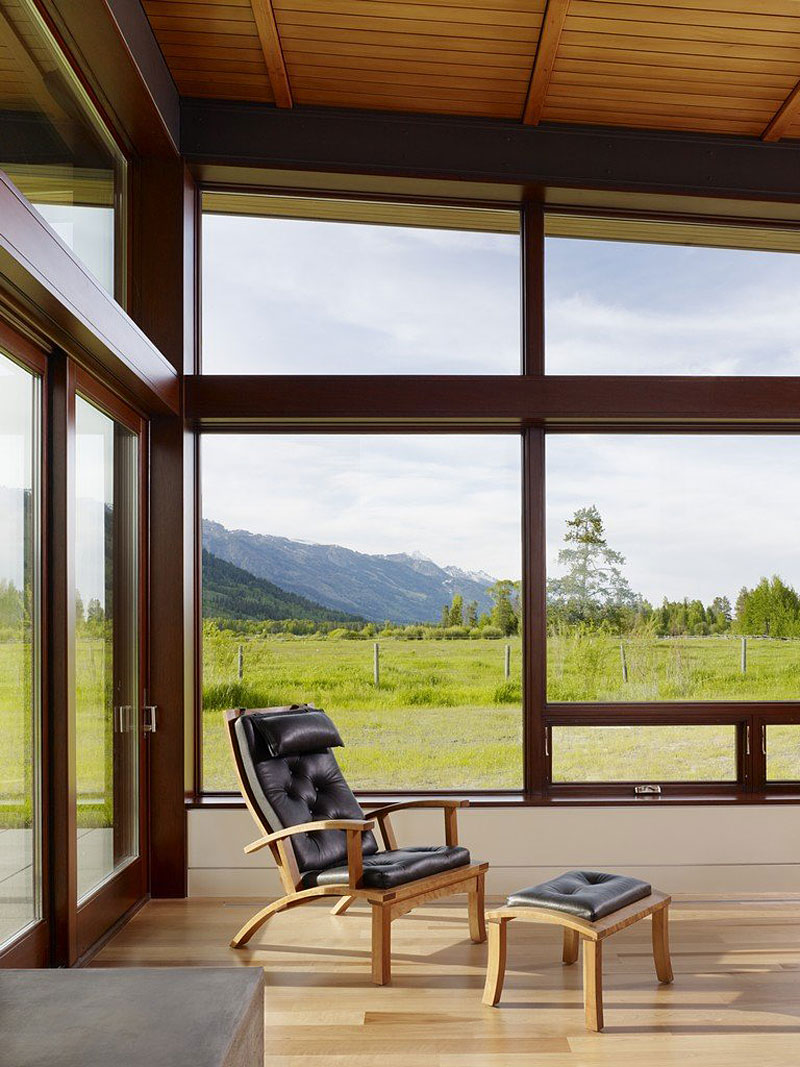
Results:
[477, 919]
[593, 983]
[341, 905]
[661, 945]
[571, 939]
[496, 966]
[381, 944]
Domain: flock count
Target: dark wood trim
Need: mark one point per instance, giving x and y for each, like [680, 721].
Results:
[532, 160]
[22, 350]
[504, 401]
[534, 612]
[103, 397]
[114, 50]
[532, 288]
[555, 16]
[31, 948]
[74, 309]
[86, 957]
[109, 905]
[61, 660]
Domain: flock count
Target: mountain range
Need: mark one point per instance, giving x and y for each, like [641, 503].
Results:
[405, 588]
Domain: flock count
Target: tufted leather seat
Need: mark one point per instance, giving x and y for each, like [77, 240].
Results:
[586, 894]
[292, 785]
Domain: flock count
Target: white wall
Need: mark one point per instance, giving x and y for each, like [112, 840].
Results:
[736, 849]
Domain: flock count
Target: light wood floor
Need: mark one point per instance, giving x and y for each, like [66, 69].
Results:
[736, 997]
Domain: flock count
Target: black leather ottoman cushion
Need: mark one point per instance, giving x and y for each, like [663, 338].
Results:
[385, 870]
[585, 894]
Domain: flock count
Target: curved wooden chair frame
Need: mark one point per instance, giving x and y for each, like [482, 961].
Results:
[387, 904]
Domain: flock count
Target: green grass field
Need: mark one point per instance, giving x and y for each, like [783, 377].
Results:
[444, 717]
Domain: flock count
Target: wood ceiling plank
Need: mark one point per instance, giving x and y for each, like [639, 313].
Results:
[273, 53]
[688, 16]
[202, 39]
[212, 52]
[687, 83]
[659, 103]
[390, 89]
[420, 28]
[676, 70]
[403, 103]
[210, 27]
[188, 11]
[644, 45]
[653, 122]
[582, 54]
[441, 79]
[544, 60]
[527, 18]
[652, 31]
[217, 65]
[786, 115]
[377, 40]
[390, 65]
[340, 52]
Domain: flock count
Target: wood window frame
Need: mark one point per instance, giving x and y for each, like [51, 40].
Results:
[532, 404]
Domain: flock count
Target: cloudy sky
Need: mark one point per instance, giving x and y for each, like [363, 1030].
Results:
[694, 516]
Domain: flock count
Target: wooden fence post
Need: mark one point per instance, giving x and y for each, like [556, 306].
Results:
[744, 655]
[376, 664]
[240, 662]
[624, 661]
[507, 662]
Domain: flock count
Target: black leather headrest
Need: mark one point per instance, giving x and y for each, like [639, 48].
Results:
[294, 733]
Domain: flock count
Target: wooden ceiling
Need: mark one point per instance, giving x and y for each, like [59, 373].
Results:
[715, 66]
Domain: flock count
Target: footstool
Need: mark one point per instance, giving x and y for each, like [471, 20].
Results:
[590, 906]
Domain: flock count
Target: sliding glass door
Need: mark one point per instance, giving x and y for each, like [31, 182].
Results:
[109, 731]
[21, 851]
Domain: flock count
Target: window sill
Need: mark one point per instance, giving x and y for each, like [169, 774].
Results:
[225, 801]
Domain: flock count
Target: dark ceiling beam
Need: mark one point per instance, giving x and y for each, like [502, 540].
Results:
[42, 276]
[532, 158]
[486, 400]
[113, 44]
[552, 24]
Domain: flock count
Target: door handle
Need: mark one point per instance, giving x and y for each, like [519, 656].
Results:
[149, 720]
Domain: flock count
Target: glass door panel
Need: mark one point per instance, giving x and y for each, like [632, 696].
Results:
[20, 711]
[106, 645]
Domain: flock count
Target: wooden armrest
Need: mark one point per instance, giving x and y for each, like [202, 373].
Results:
[450, 806]
[432, 802]
[353, 825]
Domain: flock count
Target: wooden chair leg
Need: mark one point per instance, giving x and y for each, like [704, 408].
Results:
[571, 940]
[593, 983]
[661, 945]
[496, 964]
[477, 918]
[254, 924]
[341, 905]
[381, 944]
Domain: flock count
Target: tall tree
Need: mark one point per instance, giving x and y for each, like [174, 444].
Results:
[505, 613]
[594, 587]
[457, 610]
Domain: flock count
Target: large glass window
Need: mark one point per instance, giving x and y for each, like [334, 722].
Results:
[376, 577]
[106, 644]
[673, 571]
[299, 286]
[631, 297]
[53, 146]
[20, 713]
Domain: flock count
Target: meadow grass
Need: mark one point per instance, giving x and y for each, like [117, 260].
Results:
[444, 717]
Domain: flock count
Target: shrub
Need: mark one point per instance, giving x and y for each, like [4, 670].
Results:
[508, 693]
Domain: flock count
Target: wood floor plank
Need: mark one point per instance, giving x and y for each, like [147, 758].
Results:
[734, 1001]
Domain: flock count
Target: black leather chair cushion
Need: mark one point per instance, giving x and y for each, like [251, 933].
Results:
[296, 733]
[586, 894]
[292, 790]
[385, 870]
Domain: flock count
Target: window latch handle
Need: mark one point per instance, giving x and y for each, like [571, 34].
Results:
[149, 721]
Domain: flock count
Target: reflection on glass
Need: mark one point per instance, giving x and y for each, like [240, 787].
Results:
[377, 577]
[106, 652]
[783, 752]
[52, 144]
[629, 307]
[672, 567]
[313, 296]
[20, 876]
[644, 754]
